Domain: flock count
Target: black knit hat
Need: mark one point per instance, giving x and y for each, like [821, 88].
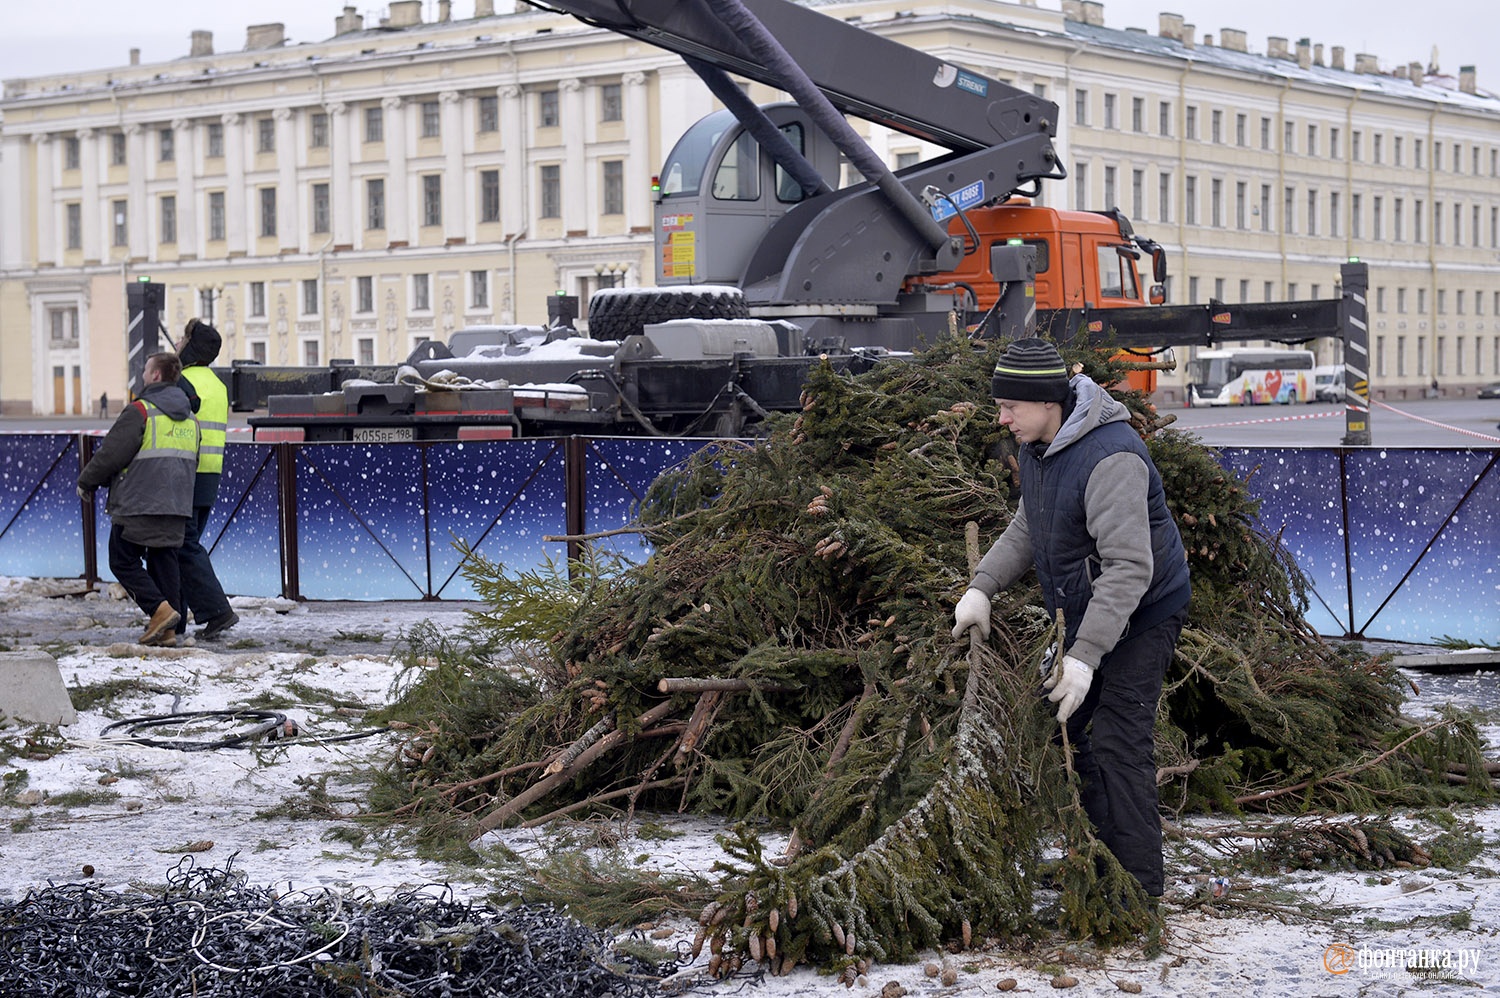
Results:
[1031, 370]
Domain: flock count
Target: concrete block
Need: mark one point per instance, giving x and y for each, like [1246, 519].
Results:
[32, 690]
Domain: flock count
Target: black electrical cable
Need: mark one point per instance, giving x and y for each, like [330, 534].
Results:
[269, 722]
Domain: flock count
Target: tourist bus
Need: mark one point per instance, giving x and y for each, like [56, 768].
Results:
[1250, 376]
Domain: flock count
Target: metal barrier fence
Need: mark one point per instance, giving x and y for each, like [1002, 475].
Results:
[1399, 544]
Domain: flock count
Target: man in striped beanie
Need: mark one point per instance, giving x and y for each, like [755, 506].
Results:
[1093, 522]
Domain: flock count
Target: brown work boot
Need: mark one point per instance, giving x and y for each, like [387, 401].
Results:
[162, 621]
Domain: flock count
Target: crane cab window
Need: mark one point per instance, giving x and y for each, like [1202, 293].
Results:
[738, 175]
[788, 190]
[1116, 274]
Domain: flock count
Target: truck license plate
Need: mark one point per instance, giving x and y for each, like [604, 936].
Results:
[382, 434]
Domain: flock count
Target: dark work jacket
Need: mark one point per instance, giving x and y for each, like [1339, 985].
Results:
[158, 519]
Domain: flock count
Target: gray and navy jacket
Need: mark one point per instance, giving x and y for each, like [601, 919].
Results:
[1094, 522]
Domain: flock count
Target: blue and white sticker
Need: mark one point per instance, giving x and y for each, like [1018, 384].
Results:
[973, 83]
[967, 197]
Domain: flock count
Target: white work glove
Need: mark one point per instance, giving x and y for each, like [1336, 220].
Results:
[1069, 684]
[972, 611]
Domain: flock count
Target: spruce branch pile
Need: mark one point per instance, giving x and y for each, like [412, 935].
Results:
[784, 659]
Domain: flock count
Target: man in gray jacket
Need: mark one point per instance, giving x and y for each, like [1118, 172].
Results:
[148, 460]
[1093, 521]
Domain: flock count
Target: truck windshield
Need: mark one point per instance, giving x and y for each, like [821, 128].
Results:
[685, 165]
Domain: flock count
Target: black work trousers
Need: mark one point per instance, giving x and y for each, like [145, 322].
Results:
[158, 580]
[1115, 752]
[201, 591]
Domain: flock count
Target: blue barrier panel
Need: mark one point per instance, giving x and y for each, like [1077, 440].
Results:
[1301, 499]
[41, 524]
[1425, 543]
[241, 536]
[619, 470]
[378, 521]
[501, 497]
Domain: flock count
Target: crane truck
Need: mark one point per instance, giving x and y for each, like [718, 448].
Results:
[763, 261]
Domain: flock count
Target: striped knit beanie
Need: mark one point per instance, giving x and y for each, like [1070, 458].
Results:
[1031, 370]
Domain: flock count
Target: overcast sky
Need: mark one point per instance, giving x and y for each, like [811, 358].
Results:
[42, 36]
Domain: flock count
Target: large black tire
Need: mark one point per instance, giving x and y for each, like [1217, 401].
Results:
[616, 314]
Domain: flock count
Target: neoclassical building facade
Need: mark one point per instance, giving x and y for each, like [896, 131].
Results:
[353, 197]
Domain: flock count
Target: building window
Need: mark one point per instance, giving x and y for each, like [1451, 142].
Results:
[317, 125]
[1288, 209]
[1312, 211]
[375, 204]
[479, 289]
[432, 125]
[1164, 118]
[1377, 217]
[1356, 146]
[258, 298]
[421, 292]
[121, 232]
[310, 353]
[1240, 122]
[165, 144]
[1138, 194]
[364, 350]
[70, 152]
[546, 103]
[1080, 185]
[215, 140]
[1312, 140]
[1138, 114]
[1377, 147]
[1396, 149]
[1190, 128]
[610, 106]
[1398, 218]
[1437, 223]
[1334, 222]
[168, 219]
[1192, 290]
[489, 195]
[1216, 127]
[62, 328]
[320, 220]
[1110, 101]
[1265, 133]
[1267, 291]
[1356, 216]
[1190, 201]
[432, 199]
[268, 211]
[1474, 228]
[75, 225]
[1080, 107]
[1288, 138]
[374, 124]
[1333, 143]
[364, 293]
[1401, 301]
[1241, 220]
[551, 191]
[1109, 187]
[216, 215]
[1163, 197]
[614, 187]
[310, 296]
[1265, 209]
[116, 148]
[489, 114]
[257, 350]
[265, 135]
[905, 160]
[1380, 299]
[1416, 153]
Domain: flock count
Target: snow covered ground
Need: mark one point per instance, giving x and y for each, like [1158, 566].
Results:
[90, 806]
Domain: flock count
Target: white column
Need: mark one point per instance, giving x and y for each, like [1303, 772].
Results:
[682, 101]
[48, 246]
[396, 227]
[12, 201]
[189, 239]
[639, 164]
[289, 233]
[343, 207]
[88, 153]
[235, 231]
[515, 213]
[455, 184]
[139, 208]
[575, 165]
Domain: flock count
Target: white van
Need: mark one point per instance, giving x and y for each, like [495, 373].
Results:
[1328, 383]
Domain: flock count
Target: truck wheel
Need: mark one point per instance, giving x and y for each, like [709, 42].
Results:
[614, 315]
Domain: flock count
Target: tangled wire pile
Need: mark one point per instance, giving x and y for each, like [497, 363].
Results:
[211, 936]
